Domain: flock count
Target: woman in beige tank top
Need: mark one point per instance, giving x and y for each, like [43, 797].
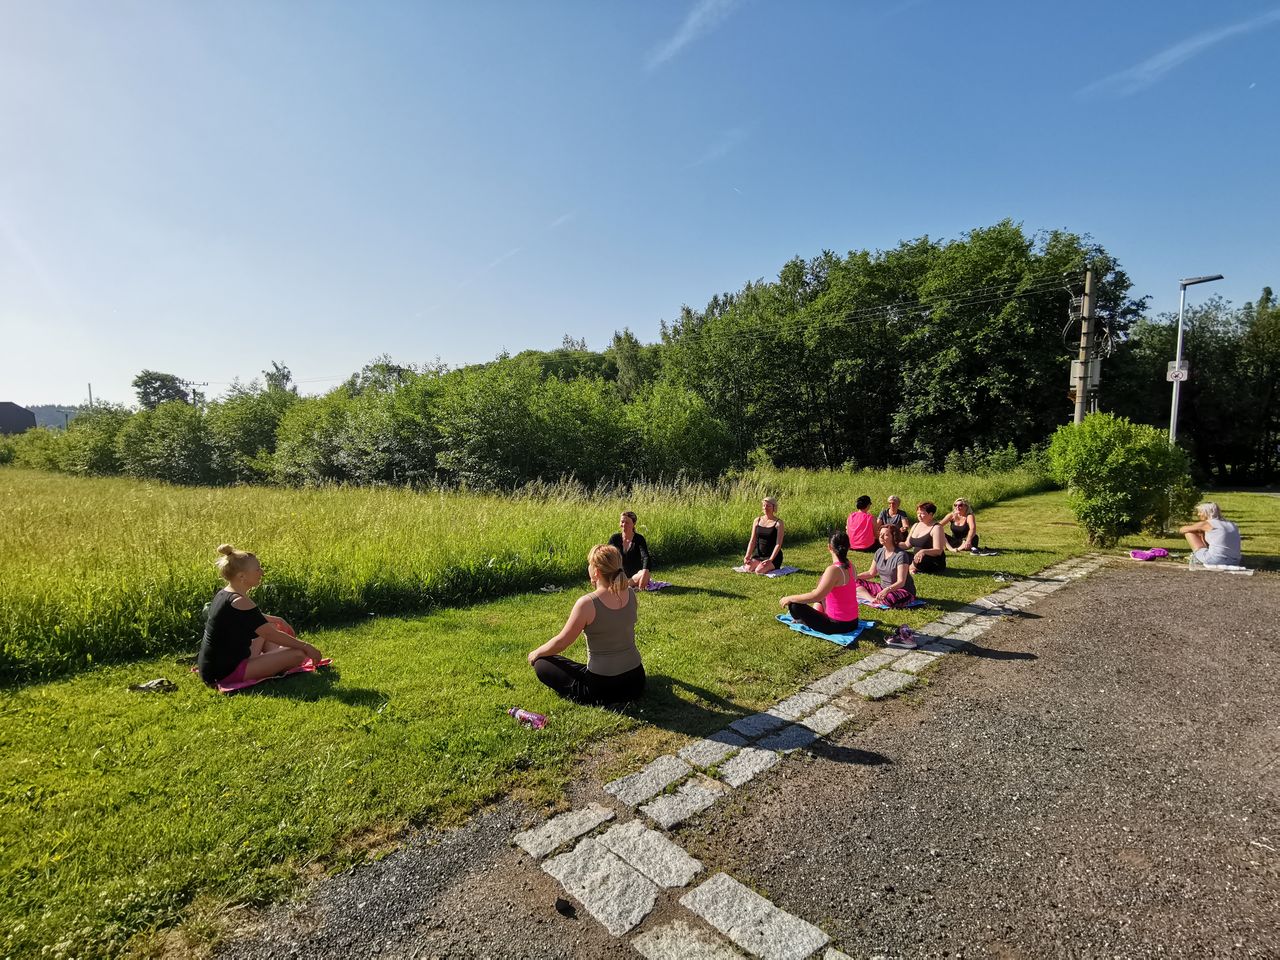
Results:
[613, 672]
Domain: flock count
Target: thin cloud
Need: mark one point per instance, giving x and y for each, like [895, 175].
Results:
[705, 16]
[561, 220]
[725, 144]
[504, 258]
[1153, 69]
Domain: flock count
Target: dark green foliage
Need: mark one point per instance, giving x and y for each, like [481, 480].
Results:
[155, 388]
[243, 429]
[90, 446]
[1120, 476]
[172, 443]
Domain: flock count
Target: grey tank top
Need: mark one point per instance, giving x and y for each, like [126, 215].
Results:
[1223, 539]
[611, 639]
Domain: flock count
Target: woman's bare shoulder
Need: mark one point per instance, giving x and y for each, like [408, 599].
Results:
[241, 602]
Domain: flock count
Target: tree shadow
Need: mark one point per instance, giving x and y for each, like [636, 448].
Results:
[830, 751]
[311, 687]
[989, 653]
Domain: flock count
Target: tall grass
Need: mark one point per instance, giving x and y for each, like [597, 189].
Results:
[102, 570]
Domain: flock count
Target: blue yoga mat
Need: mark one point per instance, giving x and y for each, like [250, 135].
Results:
[917, 602]
[840, 639]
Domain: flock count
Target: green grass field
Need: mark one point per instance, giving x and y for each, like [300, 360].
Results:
[127, 814]
[105, 570]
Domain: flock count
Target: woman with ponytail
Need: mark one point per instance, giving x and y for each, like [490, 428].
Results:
[240, 642]
[834, 599]
[613, 672]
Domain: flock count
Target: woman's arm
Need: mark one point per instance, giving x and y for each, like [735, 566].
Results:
[826, 583]
[1204, 526]
[751, 544]
[900, 580]
[939, 543]
[973, 532]
[582, 614]
[643, 546]
[270, 633]
[777, 547]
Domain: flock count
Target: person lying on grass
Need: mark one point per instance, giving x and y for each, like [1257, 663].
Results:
[634, 549]
[964, 527]
[613, 672]
[834, 599]
[888, 580]
[240, 642]
[764, 549]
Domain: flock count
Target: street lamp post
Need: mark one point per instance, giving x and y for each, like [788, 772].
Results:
[1176, 373]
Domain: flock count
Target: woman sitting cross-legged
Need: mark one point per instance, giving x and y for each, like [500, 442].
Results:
[834, 599]
[634, 549]
[1213, 539]
[964, 527]
[240, 642]
[888, 580]
[926, 541]
[764, 549]
[613, 672]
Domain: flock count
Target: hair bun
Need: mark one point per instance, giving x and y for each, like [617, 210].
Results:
[227, 550]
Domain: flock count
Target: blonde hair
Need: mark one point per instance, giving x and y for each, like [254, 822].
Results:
[962, 502]
[1209, 510]
[606, 560]
[232, 562]
[771, 501]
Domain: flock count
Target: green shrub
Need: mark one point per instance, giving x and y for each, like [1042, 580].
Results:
[6, 451]
[38, 449]
[90, 447]
[171, 443]
[1118, 474]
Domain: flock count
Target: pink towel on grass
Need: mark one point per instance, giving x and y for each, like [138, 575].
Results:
[307, 666]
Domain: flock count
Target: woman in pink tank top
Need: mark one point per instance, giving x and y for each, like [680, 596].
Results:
[835, 598]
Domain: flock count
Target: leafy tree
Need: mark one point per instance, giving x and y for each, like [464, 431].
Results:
[155, 388]
[280, 377]
[676, 434]
[242, 430]
[90, 447]
[309, 440]
[637, 364]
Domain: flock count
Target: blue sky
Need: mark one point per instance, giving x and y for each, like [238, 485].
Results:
[201, 188]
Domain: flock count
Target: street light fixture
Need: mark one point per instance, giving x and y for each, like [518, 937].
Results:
[1176, 374]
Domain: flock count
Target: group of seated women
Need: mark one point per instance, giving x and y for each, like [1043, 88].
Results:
[928, 537]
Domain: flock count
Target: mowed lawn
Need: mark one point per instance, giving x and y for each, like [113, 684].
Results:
[124, 813]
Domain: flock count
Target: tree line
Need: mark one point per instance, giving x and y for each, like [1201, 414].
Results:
[931, 354]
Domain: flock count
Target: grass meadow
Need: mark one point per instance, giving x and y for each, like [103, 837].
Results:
[132, 822]
[104, 570]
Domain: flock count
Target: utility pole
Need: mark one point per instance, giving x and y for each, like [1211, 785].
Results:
[1081, 366]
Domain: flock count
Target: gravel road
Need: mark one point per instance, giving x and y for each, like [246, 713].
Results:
[1101, 778]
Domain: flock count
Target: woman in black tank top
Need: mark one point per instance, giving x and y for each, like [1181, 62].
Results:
[964, 528]
[929, 547]
[764, 550]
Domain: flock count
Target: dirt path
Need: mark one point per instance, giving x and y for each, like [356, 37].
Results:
[1099, 777]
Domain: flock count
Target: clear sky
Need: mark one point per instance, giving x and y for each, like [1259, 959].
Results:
[203, 187]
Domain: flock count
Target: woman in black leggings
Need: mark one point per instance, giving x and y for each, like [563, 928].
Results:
[613, 672]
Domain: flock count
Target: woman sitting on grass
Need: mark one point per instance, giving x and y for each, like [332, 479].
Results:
[964, 527]
[926, 540]
[240, 642]
[613, 672]
[834, 599]
[634, 549]
[1213, 539]
[764, 549]
[861, 525]
[888, 580]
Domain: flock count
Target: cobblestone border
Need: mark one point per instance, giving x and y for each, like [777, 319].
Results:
[620, 875]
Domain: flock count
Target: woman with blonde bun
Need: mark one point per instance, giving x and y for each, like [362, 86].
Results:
[613, 672]
[240, 642]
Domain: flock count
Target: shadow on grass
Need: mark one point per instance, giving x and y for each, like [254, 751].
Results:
[676, 589]
[311, 687]
[663, 707]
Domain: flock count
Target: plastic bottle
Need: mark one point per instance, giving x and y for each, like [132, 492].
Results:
[528, 718]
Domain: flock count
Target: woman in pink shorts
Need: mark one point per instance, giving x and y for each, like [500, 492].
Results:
[888, 580]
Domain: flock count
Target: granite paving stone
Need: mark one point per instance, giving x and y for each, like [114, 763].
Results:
[636, 788]
[558, 831]
[711, 750]
[840, 680]
[878, 660]
[757, 725]
[679, 940]
[826, 720]
[834, 954]
[795, 737]
[692, 797]
[752, 922]
[612, 892]
[652, 854]
[745, 765]
[883, 684]
[795, 707]
[915, 662]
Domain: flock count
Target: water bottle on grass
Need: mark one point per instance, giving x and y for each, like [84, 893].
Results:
[530, 719]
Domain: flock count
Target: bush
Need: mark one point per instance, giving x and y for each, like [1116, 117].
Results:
[1118, 474]
[243, 432]
[677, 435]
[171, 443]
[38, 449]
[6, 451]
[90, 447]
